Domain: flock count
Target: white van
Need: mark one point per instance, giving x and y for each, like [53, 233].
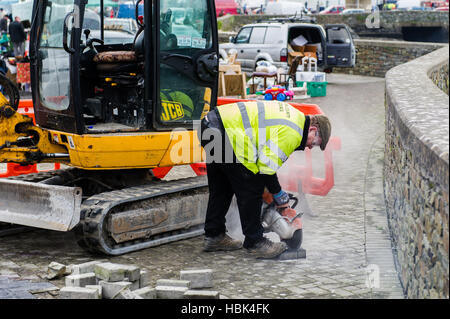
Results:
[269, 41]
[408, 4]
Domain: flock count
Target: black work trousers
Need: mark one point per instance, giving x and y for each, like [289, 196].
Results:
[228, 179]
[224, 181]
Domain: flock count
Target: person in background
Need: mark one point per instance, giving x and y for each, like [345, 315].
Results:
[2, 13]
[18, 37]
[4, 21]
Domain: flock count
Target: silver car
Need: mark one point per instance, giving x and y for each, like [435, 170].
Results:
[269, 41]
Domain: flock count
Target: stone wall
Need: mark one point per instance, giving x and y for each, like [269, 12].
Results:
[376, 57]
[439, 76]
[416, 175]
[389, 22]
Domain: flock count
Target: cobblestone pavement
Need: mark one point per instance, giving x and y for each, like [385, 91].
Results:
[346, 240]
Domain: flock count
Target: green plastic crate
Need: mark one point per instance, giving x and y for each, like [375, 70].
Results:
[315, 88]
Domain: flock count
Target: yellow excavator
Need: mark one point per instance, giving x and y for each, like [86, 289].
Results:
[112, 104]
[115, 105]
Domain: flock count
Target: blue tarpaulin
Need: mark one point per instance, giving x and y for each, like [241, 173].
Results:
[128, 11]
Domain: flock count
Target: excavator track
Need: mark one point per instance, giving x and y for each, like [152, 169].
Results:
[123, 221]
[137, 217]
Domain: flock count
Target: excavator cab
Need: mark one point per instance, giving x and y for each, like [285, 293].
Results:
[89, 77]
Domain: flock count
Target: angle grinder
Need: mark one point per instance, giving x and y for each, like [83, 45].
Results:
[286, 222]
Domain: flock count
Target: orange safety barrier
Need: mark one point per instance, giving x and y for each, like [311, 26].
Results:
[290, 180]
[12, 169]
[198, 168]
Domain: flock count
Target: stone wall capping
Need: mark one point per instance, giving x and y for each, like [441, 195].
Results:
[410, 88]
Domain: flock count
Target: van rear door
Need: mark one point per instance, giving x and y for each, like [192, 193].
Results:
[341, 50]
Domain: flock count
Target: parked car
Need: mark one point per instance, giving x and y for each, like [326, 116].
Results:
[333, 10]
[350, 11]
[269, 41]
[122, 24]
[441, 9]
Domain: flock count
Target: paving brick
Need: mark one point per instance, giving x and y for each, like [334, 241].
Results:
[146, 292]
[78, 293]
[109, 272]
[134, 284]
[55, 270]
[81, 280]
[110, 289]
[116, 272]
[85, 267]
[98, 287]
[127, 294]
[167, 292]
[173, 283]
[144, 279]
[198, 278]
[201, 294]
[132, 272]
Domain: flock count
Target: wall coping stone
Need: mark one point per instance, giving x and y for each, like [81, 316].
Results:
[399, 44]
[420, 104]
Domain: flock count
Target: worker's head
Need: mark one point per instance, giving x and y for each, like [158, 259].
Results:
[17, 18]
[319, 132]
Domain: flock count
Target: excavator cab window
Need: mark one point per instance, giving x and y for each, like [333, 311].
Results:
[187, 74]
[94, 77]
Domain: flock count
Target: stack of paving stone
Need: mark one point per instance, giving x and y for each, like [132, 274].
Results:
[106, 280]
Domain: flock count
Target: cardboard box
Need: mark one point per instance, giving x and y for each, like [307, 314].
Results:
[298, 48]
[292, 55]
[310, 48]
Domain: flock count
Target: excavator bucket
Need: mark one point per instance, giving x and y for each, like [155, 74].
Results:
[39, 205]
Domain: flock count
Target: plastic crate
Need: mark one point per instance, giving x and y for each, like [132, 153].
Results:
[315, 89]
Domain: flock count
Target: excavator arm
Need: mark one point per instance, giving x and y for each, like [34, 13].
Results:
[23, 142]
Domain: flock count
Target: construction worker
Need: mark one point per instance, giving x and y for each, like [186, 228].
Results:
[245, 144]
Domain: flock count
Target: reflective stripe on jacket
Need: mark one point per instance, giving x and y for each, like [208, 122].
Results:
[263, 134]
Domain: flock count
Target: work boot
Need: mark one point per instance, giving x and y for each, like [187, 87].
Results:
[221, 242]
[266, 249]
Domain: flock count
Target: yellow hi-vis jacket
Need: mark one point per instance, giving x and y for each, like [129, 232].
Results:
[263, 134]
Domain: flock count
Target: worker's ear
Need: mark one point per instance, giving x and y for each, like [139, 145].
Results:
[312, 129]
